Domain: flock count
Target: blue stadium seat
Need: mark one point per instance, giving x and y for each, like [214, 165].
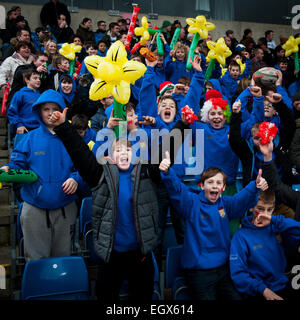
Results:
[56, 278]
[174, 274]
[169, 239]
[296, 187]
[85, 215]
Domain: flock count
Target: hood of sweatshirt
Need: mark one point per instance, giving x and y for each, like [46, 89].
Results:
[69, 97]
[47, 96]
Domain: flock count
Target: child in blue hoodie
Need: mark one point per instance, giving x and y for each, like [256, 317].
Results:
[229, 82]
[176, 63]
[257, 258]
[49, 210]
[19, 113]
[207, 215]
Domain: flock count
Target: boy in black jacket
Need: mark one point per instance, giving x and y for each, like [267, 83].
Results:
[125, 213]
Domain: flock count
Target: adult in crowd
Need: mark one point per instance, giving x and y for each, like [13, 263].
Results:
[8, 67]
[269, 35]
[85, 30]
[51, 11]
[62, 31]
[100, 32]
[111, 35]
[22, 35]
[257, 61]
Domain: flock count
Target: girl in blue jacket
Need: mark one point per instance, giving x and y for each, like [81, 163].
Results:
[257, 258]
[49, 210]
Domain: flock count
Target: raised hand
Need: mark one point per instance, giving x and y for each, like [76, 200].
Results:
[196, 63]
[113, 122]
[267, 149]
[148, 121]
[261, 182]
[236, 107]
[58, 118]
[166, 163]
[255, 91]
[274, 97]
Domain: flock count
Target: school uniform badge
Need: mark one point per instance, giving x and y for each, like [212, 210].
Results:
[221, 212]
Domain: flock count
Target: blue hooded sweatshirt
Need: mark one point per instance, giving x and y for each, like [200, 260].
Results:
[20, 109]
[44, 153]
[293, 88]
[125, 237]
[207, 231]
[257, 259]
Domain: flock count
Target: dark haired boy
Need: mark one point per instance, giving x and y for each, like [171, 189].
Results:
[229, 82]
[19, 113]
[207, 215]
[257, 258]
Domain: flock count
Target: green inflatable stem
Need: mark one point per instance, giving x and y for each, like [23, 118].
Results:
[210, 69]
[159, 44]
[120, 112]
[18, 176]
[296, 61]
[72, 67]
[191, 54]
[175, 38]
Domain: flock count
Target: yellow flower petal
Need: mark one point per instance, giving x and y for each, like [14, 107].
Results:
[117, 53]
[100, 89]
[121, 92]
[132, 70]
[92, 63]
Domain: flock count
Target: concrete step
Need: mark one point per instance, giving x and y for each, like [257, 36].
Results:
[4, 195]
[4, 214]
[3, 154]
[3, 123]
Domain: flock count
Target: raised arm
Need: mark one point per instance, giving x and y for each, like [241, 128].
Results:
[83, 159]
[283, 192]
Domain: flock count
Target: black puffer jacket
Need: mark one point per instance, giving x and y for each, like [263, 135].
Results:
[104, 179]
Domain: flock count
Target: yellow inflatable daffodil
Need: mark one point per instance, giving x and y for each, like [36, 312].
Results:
[143, 31]
[241, 64]
[113, 74]
[218, 50]
[291, 46]
[199, 25]
[68, 50]
[223, 71]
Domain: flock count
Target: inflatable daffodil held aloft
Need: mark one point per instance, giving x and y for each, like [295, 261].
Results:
[218, 52]
[291, 46]
[113, 76]
[68, 50]
[143, 33]
[199, 27]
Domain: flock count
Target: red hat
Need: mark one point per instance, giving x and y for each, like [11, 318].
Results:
[164, 86]
[212, 93]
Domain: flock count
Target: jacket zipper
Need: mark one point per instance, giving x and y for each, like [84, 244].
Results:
[115, 224]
